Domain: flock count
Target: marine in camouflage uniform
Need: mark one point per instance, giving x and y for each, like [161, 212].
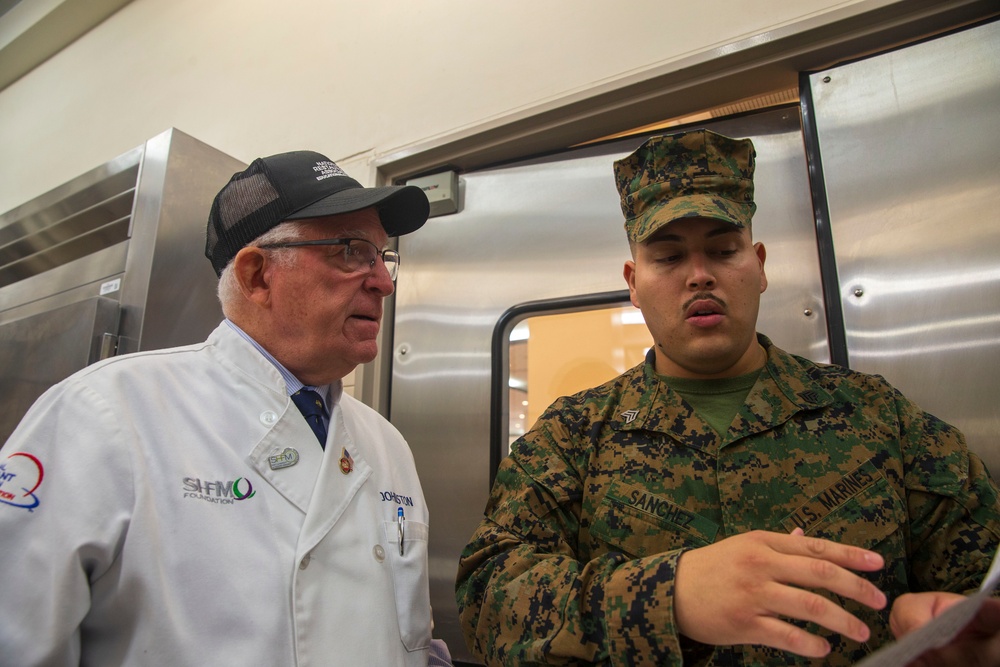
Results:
[575, 562]
[594, 506]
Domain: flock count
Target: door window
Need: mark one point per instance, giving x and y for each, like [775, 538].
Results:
[558, 354]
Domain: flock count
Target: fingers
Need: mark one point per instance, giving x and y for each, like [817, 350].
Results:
[766, 626]
[977, 645]
[787, 637]
[822, 565]
[912, 611]
[739, 589]
[805, 605]
[987, 621]
[844, 555]
[821, 574]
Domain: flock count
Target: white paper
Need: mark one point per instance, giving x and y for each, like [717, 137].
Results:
[990, 582]
[938, 632]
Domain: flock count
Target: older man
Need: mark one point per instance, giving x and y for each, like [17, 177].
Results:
[724, 502]
[226, 502]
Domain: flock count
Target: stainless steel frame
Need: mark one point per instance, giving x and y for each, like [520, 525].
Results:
[110, 262]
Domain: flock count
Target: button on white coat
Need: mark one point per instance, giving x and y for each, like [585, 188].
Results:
[305, 562]
[379, 553]
[267, 418]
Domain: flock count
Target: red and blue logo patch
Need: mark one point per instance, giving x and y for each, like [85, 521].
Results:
[20, 476]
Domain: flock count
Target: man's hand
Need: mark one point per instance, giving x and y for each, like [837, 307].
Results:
[977, 645]
[734, 591]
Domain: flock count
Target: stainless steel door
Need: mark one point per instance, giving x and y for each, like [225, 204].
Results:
[909, 143]
[550, 228]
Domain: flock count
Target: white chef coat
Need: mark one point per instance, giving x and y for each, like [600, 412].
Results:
[142, 522]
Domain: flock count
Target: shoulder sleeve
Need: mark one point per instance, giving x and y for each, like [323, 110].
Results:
[67, 485]
[523, 594]
[952, 502]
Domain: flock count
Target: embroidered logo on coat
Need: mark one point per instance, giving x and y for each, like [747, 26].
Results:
[20, 476]
[220, 493]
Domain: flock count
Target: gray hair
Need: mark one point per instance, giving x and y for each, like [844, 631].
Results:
[229, 289]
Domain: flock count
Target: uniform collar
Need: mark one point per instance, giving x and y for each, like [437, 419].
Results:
[784, 389]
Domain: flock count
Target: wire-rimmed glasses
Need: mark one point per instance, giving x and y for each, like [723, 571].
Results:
[359, 254]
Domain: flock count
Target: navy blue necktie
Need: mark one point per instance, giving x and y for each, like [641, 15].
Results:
[311, 407]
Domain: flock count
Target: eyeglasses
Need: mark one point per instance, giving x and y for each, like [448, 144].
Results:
[359, 254]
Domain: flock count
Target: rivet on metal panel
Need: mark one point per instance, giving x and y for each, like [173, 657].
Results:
[807, 312]
[826, 79]
[859, 292]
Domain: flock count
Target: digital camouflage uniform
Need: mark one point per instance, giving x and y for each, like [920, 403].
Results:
[575, 561]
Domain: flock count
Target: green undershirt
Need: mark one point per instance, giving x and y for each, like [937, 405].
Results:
[715, 401]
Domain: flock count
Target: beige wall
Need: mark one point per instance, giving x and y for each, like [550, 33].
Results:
[391, 87]
[355, 79]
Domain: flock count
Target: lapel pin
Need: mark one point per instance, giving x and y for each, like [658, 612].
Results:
[346, 462]
[284, 459]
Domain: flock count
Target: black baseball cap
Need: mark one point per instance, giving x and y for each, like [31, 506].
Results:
[298, 185]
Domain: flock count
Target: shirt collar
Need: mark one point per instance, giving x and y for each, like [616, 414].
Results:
[292, 383]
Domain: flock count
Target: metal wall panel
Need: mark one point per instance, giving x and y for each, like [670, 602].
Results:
[72, 336]
[169, 292]
[545, 229]
[909, 143]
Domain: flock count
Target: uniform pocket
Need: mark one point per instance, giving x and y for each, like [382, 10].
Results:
[861, 509]
[410, 582]
[639, 523]
[871, 518]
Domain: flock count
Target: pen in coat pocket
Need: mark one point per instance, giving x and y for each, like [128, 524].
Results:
[399, 522]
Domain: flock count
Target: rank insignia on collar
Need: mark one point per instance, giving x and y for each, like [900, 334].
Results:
[284, 459]
[346, 462]
[629, 415]
[809, 395]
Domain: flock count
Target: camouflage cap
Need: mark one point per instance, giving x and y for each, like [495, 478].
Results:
[698, 174]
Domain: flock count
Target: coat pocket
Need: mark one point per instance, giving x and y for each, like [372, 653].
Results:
[410, 582]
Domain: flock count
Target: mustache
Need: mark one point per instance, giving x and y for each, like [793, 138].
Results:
[703, 296]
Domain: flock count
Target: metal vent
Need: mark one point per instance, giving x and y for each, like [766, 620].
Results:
[87, 215]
